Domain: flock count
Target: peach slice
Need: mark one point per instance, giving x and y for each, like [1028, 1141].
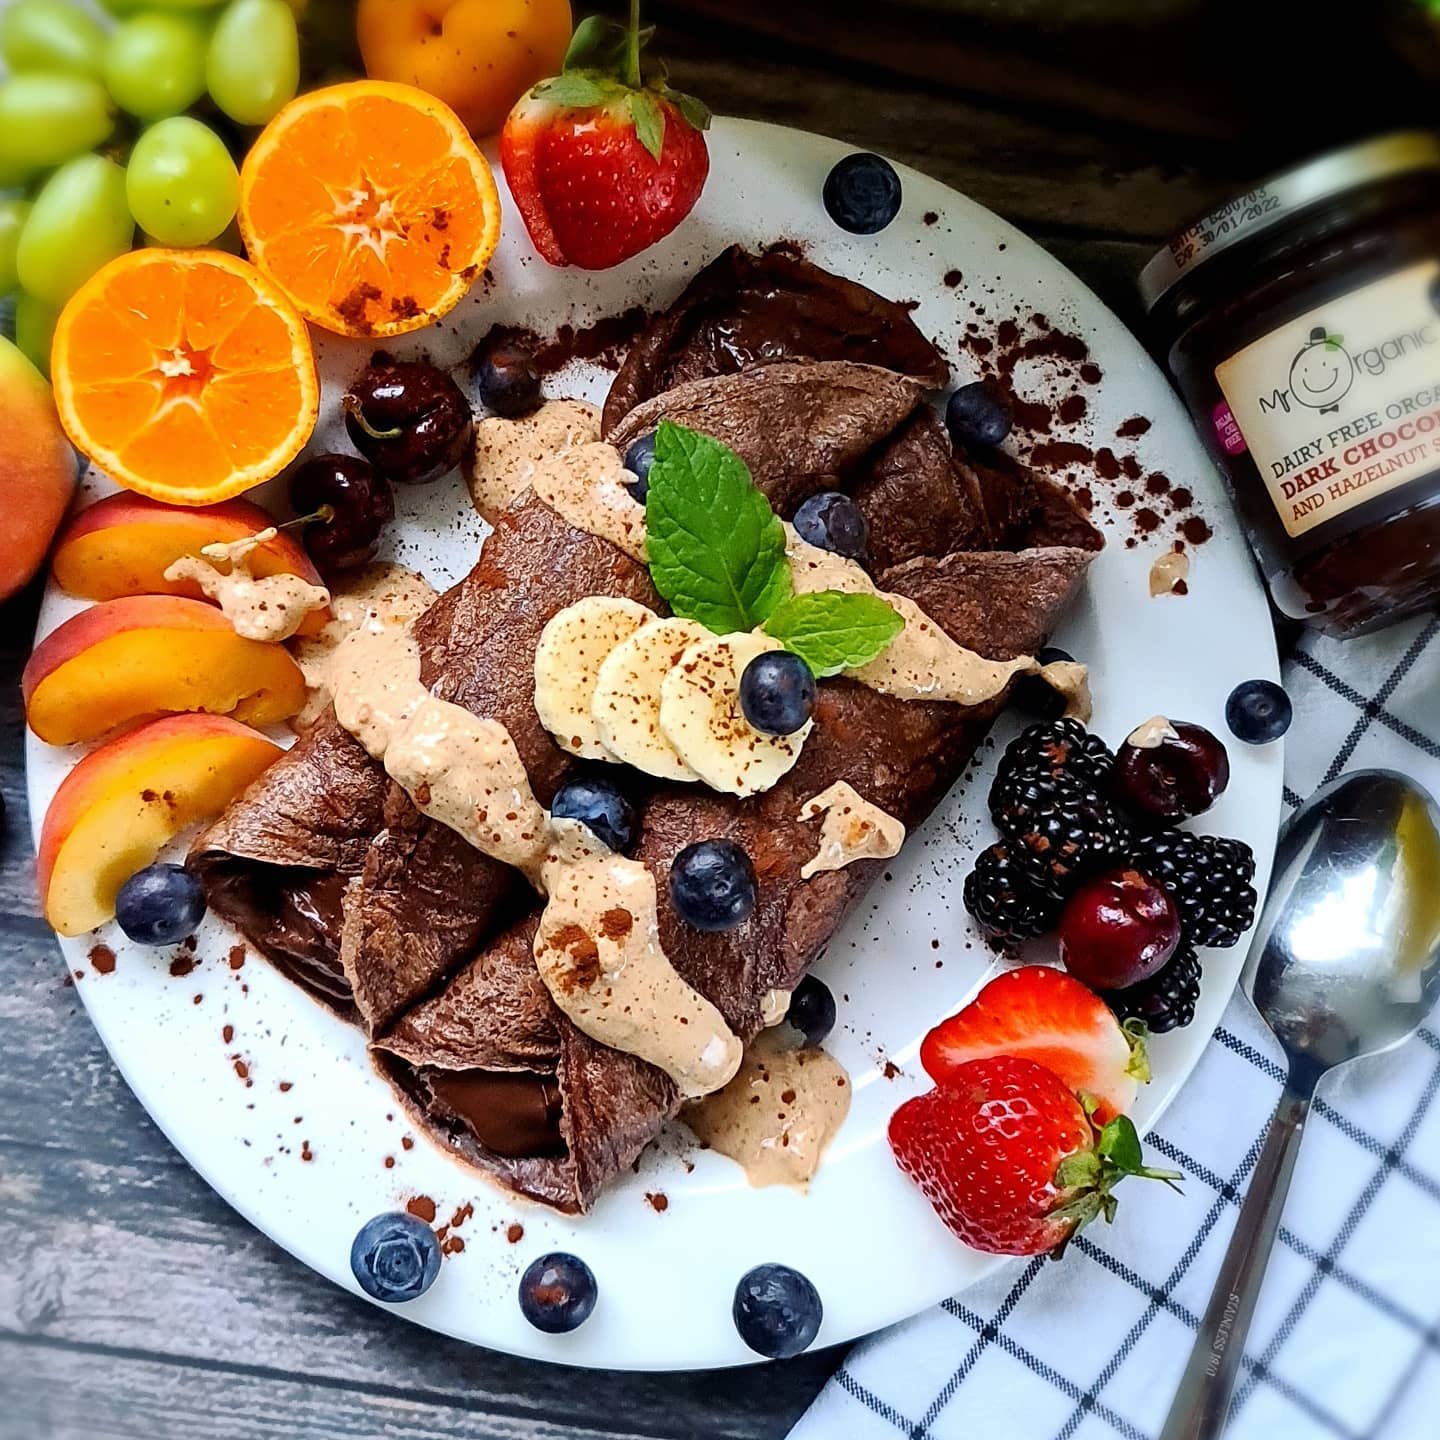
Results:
[124, 802]
[148, 655]
[122, 545]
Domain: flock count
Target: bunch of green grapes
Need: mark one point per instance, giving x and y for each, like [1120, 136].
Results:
[95, 140]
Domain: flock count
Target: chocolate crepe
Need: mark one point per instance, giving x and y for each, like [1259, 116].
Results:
[743, 310]
[592, 1110]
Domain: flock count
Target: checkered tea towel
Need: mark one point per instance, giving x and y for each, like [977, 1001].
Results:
[1346, 1338]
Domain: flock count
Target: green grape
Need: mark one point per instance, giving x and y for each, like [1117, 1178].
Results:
[46, 119]
[51, 35]
[12, 221]
[79, 221]
[34, 329]
[254, 62]
[129, 7]
[182, 185]
[155, 65]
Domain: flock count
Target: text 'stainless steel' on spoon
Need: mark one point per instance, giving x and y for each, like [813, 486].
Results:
[1346, 962]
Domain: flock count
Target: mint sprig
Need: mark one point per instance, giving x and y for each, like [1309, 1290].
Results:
[832, 630]
[717, 550]
[717, 555]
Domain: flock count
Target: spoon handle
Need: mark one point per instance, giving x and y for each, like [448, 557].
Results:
[1202, 1403]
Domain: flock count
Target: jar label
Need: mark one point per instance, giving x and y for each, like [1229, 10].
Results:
[1342, 404]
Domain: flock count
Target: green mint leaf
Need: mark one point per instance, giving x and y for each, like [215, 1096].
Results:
[696, 112]
[575, 90]
[649, 121]
[1120, 1145]
[833, 630]
[717, 551]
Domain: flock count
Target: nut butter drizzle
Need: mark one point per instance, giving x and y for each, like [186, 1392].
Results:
[778, 1114]
[265, 607]
[852, 829]
[598, 946]
[598, 951]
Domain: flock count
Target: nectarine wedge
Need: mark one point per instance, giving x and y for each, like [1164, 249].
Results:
[151, 655]
[37, 470]
[122, 545]
[124, 802]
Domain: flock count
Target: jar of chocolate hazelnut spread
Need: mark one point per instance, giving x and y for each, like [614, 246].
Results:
[1302, 324]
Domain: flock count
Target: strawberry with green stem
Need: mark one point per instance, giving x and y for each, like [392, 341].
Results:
[1010, 1160]
[603, 163]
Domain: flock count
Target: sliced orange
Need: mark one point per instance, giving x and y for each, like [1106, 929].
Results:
[184, 375]
[370, 206]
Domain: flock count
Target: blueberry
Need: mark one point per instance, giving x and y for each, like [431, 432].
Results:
[862, 193]
[712, 885]
[557, 1293]
[832, 521]
[160, 905]
[596, 801]
[812, 1010]
[509, 383]
[777, 692]
[777, 1311]
[1258, 711]
[1034, 696]
[638, 459]
[395, 1257]
[979, 414]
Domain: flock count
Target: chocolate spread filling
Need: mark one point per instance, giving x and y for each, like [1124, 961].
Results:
[514, 1114]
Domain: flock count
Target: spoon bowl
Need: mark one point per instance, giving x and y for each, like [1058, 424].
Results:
[1345, 962]
[1347, 955]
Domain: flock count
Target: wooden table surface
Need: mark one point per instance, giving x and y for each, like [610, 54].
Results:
[133, 1303]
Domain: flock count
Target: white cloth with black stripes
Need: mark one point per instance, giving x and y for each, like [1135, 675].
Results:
[1346, 1339]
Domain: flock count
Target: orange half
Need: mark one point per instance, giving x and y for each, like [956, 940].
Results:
[370, 206]
[185, 375]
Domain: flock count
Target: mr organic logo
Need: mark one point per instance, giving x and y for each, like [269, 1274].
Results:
[1324, 372]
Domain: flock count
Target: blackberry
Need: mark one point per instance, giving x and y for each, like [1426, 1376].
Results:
[1208, 876]
[1165, 1001]
[1058, 831]
[1060, 751]
[1002, 897]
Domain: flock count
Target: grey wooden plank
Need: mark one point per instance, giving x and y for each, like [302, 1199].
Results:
[97, 1393]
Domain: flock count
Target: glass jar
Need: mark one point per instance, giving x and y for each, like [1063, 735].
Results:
[1301, 322]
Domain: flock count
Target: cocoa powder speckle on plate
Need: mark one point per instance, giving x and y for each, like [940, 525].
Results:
[102, 958]
[422, 1207]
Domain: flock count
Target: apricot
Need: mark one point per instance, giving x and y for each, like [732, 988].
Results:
[478, 56]
[149, 655]
[123, 803]
[122, 545]
[37, 470]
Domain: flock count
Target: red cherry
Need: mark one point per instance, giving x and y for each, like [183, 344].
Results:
[1118, 929]
[1183, 775]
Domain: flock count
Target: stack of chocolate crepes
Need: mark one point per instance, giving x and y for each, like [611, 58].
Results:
[394, 920]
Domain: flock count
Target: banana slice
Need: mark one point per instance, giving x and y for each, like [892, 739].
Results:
[700, 716]
[626, 706]
[567, 664]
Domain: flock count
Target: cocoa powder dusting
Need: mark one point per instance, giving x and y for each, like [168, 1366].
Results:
[514, 1233]
[228, 1034]
[657, 1201]
[181, 966]
[422, 1207]
[1133, 428]
[237, 957]
[102, 957]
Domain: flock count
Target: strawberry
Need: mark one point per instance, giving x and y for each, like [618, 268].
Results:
[1047, 1016]
[601, 163]
[1009, 1158]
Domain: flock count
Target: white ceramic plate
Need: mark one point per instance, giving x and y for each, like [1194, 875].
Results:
[862, 1233]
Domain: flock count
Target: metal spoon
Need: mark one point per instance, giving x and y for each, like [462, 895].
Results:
[1346, 962]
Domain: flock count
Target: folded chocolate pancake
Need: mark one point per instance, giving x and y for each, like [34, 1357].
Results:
[744, 309]
[591, 1110]
[394, 900]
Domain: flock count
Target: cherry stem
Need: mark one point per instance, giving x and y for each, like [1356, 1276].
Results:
[321, 516]
[354, 408]
[632, 48]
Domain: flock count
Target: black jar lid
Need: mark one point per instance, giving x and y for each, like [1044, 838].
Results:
[1283, 196]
